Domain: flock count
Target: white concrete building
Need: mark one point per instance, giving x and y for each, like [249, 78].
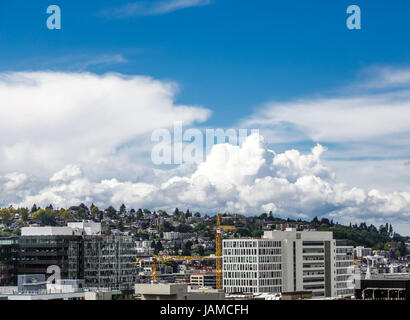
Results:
[172, 235]
[252, 266]
[288, 261]
[176, 291]
[47, 231]
[89, 228]
[361, 252]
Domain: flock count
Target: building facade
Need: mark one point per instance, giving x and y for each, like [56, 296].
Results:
[79, 251]
[8, 261]
[203, 280]
[252, 266]
[289, 261]
[109, 262]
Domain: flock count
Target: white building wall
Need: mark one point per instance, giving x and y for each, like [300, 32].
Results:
[90, 228]
[73, 228]
[304, 258]
[46, 231]
[252, 265]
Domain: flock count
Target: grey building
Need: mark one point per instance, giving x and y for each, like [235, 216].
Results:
[102, 261]
[8, 261]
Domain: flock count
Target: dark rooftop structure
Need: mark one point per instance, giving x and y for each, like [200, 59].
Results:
[384, 289]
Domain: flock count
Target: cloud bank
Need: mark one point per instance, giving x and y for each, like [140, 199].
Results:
[247, 179]
[69, 138]
[50, 120]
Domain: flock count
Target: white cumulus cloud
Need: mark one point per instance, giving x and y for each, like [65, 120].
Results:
[247, 179]
[49, 120]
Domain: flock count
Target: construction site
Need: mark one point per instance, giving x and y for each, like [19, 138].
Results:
[158, 267]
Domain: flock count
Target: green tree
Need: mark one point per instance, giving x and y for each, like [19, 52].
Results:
[45, 216]
[140, 214]
[25, 214]
[199, 250]
[65, 215]
[6, 216]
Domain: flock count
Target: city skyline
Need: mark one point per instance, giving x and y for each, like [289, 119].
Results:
[332, 106]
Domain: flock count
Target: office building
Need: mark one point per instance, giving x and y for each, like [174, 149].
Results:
[289, 261]
[80, 252]
[8, 261]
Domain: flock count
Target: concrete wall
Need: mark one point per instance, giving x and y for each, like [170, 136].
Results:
[46, 231]
[98, 295]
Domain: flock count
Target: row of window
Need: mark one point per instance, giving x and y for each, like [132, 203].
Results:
[233, 259]
[252, 244]
[270, 282]
[270, 274]
[241, 282]
[313, 250]
[314, 287]
[313, 273]
[240, 267]
[270, 251]
[343, 264]
[313, 258]
[270, 266]
[313, 265]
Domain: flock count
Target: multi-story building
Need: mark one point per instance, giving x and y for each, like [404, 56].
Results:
[8, 260]
[288, 261]
[109, 262]
[203, 280]
[79, 251]
[252, 266]
[361, 252]
[36, 253]
[343, 270]
[172, 235]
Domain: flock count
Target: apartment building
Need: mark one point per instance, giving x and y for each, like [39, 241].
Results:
[288, 261]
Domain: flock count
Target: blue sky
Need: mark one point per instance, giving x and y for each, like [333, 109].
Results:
[289, 68]
[230, 56]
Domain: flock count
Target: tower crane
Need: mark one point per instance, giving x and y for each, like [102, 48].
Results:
[156, 259]
[218, 257]
[219, 231]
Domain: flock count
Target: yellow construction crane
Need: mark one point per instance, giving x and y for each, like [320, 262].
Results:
[219, 230]
[154, 262]
[218, 257]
